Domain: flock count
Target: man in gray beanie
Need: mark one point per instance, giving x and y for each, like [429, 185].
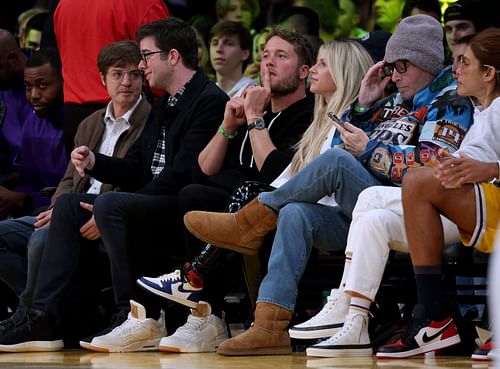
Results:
[383, 138]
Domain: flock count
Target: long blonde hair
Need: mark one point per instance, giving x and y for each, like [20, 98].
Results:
[348, 63]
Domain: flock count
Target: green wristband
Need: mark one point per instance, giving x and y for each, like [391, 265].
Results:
[359, 109]
[227, 135]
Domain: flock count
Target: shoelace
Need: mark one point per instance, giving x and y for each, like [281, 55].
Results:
[174, 276]
[13, 320]
[128, 326]
[330, 304]
[412, 330]
[193, 325]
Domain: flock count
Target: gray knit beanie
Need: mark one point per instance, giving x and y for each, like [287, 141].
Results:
[418, 39]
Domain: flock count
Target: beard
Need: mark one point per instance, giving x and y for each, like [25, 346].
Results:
[287, 86]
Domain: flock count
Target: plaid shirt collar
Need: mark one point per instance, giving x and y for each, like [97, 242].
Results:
[172, 100]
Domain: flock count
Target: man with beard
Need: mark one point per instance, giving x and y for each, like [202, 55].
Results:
[41, 160]
[255, 142]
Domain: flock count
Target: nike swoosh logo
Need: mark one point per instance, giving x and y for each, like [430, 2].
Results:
[427, 339]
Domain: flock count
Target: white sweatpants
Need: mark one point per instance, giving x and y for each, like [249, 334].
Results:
[377, 227]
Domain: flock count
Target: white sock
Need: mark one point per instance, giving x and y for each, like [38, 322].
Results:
[359, 306]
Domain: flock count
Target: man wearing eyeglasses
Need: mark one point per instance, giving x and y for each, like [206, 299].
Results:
[404, 130]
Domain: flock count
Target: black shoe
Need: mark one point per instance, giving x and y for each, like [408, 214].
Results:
[10, 323]
[34, 330]
[116, 320]
[422, 335]
[482, 352]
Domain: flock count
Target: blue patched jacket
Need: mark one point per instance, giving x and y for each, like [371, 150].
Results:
[405, 133]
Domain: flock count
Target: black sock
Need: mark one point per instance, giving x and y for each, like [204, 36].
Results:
[430, 291]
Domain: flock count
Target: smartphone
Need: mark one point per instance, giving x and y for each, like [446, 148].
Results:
[336, 119]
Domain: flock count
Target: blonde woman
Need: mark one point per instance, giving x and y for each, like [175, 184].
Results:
[335, 80]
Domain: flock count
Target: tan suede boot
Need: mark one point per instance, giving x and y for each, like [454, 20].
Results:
[267, 336]
[242, 231]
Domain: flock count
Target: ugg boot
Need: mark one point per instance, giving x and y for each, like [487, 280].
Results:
[267, 336]
[242, 231]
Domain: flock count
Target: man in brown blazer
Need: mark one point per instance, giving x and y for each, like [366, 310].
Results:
[111, 130]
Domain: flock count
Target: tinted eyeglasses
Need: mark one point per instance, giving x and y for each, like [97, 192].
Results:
[401, 66]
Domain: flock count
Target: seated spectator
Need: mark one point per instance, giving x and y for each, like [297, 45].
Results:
[23, 20]
[368, 160]
[41, 159]
[157, 165]
[465, 17]
[14, 107]
[388, 13]
[457, 186]
[31, 36]
[255, 142]
[347, 25]
[243, 11]
[327, 11]
[110, 131]
[202, 25]
[230, 46]
[428, 7]
[300, 19]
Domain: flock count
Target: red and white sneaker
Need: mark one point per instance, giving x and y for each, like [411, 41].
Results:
[482, 352]
[422, 335]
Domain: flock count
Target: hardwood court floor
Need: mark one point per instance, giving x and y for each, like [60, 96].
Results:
[85, 359]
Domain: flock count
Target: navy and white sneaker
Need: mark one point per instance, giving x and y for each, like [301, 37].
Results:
[173, 286]
[422, 335]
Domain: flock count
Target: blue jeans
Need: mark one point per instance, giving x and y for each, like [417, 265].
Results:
[303, 224]
[21, 250]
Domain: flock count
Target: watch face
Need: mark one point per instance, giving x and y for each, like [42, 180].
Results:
[259, 123]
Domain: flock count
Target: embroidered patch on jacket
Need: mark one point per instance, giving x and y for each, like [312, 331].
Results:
[448, 133]
[397, 132]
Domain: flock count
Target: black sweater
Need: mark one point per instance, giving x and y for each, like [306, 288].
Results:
[190, 125]
[285, 128]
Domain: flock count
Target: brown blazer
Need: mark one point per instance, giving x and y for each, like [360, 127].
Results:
[90, 133]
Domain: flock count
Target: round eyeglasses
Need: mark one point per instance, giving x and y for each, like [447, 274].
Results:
[133, 75]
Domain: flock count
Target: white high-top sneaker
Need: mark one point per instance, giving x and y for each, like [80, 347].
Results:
[352, 340]
[137, 333]
[203, 332]
[328, 321]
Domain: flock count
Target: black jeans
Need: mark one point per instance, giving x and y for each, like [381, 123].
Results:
[63, 251]
[141, 234]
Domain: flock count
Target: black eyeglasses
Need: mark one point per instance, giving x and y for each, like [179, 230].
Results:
[401, 66]
[146, 55]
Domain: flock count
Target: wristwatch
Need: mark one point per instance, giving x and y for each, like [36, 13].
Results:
[258, 123]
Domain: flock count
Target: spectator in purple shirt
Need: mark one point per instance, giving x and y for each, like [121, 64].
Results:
[41, 159]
